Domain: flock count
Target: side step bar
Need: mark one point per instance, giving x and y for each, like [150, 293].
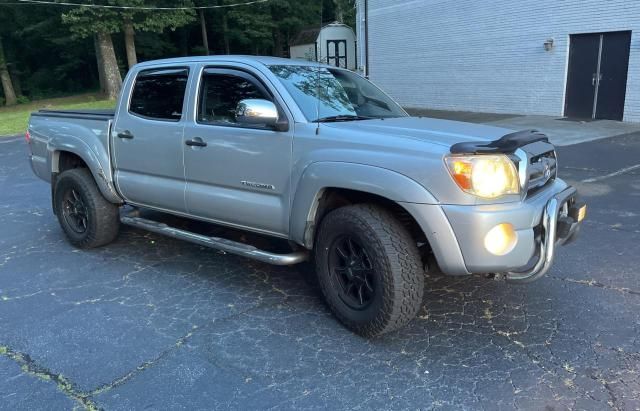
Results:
[231, 247]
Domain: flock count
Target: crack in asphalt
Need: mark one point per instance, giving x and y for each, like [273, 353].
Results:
[179, 343]
[613, 399]
[84, 398]
[144, 366]
[30, 367]
[597, 284]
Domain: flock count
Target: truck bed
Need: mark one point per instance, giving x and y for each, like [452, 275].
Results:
[84, 132]
[87, 114]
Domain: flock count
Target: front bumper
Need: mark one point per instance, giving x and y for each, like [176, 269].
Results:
[557, 229]
[456, 233]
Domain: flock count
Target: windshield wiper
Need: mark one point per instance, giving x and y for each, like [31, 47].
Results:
[342, 117]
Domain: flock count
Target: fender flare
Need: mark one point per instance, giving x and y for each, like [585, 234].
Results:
[318, 177]
[93, 161]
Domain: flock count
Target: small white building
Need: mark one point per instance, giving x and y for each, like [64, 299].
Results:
[334, 44]
[573, 58]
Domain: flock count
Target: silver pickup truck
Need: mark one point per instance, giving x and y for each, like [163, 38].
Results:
[315, 155]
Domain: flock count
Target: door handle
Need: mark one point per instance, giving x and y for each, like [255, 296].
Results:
[597, 78]
[196, 142]
[125, 134]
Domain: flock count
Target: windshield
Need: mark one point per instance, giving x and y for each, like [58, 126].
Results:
[326, 94]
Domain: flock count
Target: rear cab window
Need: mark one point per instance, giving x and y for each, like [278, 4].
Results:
[159, 94]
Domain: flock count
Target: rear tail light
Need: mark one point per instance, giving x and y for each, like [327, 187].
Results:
[27, 137]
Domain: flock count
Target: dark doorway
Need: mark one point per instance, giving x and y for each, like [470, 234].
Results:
[597, 75]
[337, 53]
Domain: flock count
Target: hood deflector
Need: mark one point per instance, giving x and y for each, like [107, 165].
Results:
[505, 145]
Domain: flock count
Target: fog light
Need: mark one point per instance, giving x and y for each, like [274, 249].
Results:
[501, 239]
[582, 213]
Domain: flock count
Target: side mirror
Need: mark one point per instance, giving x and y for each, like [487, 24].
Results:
[257, 112]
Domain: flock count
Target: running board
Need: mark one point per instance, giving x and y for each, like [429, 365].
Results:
[228, 246]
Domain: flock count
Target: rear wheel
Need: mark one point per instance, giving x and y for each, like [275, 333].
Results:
[86, 217]
[369, 269]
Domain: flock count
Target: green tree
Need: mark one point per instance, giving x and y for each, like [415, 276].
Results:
[150, 20]
[251, 27]
[288, 18]
[344, 11]
[43, 58]
[99, 23]
[103, 22]
[48, 60]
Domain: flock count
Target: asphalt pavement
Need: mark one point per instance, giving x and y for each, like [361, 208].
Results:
[154, 323]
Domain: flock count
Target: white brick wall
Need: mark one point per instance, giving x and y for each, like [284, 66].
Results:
[488, 55]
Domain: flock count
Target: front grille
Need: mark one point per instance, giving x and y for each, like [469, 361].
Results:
[541, 166]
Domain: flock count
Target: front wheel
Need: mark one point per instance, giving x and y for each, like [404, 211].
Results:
[86, 217]
[369, 269]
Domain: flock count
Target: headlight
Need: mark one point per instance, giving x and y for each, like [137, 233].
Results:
[486, 176]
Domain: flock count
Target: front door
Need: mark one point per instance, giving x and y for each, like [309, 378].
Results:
[147, 140]
[236, 175]
[337, 53]
[597, 75]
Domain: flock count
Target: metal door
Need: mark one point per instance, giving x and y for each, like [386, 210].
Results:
[236, 175]
[597, 75]
[583, 66]
[614, 65]
[147, 139]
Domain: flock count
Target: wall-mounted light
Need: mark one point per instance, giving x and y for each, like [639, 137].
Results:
[548, 44]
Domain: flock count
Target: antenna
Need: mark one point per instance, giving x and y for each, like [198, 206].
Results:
[318, 58]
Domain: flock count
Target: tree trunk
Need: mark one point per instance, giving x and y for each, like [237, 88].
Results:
[338, 11]
[15, 79]
[130, 43]
[183, 42]
[112, 78]
[100, 63]
[7, 86]
[277, 43]
[203, 27]
[225, 34]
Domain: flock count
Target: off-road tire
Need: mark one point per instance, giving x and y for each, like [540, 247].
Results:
[102, 217]
[396, 263]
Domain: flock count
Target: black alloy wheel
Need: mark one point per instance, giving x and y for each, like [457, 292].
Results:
[369, 269]
[74, 211]
[86, 217]
[351, 267]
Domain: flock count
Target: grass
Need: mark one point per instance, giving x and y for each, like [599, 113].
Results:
[13, 120]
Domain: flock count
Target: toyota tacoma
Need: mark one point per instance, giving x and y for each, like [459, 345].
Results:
[315, 155]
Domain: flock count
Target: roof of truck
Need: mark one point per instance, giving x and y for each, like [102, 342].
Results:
[252, 60]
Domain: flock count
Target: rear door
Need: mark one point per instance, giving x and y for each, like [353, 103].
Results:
[236, 175]
[147, 139]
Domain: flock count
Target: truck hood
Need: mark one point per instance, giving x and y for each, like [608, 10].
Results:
[436, 131]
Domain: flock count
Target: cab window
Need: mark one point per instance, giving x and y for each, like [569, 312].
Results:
[159, 94]
[220, 93]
